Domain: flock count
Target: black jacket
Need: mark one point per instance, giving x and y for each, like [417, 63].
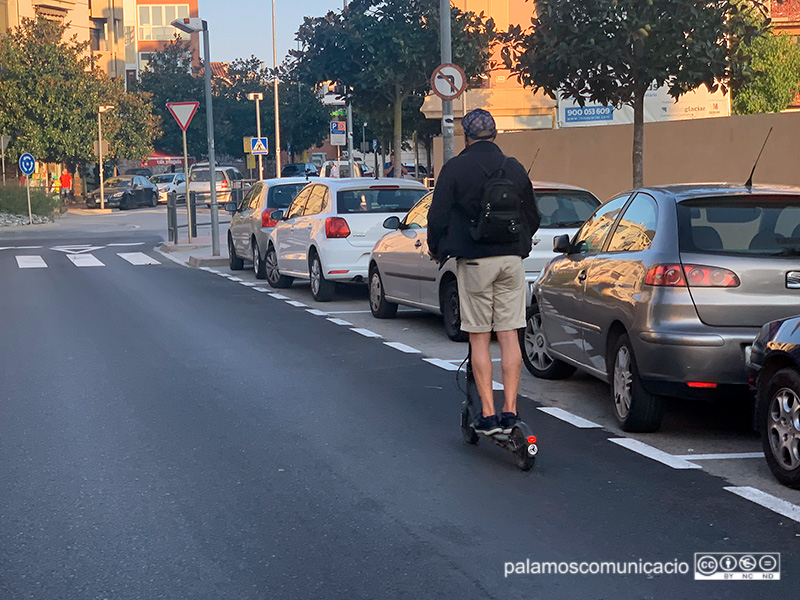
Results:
[456, 202]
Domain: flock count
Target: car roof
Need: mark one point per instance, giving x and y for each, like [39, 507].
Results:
[360, 183]
[285, 180]
[689, 191]
[552, 185]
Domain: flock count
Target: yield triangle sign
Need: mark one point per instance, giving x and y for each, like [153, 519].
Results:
[183, 112]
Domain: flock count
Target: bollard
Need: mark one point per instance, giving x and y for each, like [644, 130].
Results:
[193, 209]
[172, 217]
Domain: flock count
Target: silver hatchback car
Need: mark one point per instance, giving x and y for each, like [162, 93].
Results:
[663, 290]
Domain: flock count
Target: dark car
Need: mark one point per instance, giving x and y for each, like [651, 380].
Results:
[662, 291]
[299, 170]
[124, 192]
[774, 370]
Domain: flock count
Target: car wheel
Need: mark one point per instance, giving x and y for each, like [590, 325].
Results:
[451, 312]
[779, 424]
[321, 288]
[534, 351]
[234, 262]
[380, 307]
[259, 267]
[124, 202]
[274, 277]
[153, 199]
[636, 409]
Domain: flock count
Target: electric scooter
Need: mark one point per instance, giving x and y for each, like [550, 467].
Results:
[520, 442]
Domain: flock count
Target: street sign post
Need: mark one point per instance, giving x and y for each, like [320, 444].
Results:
[27, 164]
[448, 81]
[259, 146]
[183, 113]
[4, 139]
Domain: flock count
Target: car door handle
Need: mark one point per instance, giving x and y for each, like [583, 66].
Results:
[582, 275]
[536, 240]
[418, 243]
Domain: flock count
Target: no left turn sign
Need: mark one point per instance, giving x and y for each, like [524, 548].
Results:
[448, 81]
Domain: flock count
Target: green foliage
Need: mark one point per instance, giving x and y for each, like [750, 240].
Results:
[384, 52]
[14, 200]
[774, 82]
[611, 51]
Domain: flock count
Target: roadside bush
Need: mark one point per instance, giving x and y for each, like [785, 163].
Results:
[14, 200]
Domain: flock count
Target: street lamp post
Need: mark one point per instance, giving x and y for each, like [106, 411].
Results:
[275, 89]
[195, 25]
[258, 97]
[100, 111]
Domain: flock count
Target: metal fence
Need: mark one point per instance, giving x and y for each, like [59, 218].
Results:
[199, 202]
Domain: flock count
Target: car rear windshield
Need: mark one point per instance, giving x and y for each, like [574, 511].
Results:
[206, 176]
[749, 226]
[162, 178]
[378, 200]
[564, 208]
[281, 196]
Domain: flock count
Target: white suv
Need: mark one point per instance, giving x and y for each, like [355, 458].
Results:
[226, 179]
[328, 231]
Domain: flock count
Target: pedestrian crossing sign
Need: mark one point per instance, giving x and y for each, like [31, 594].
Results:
[259, 145]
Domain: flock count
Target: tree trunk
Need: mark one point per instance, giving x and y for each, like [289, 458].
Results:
[398, 132]
[638, 137]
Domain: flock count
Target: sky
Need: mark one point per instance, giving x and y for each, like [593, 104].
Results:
[241, 28]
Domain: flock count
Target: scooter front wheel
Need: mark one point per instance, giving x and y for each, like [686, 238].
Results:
[524, 451]
[470, 435]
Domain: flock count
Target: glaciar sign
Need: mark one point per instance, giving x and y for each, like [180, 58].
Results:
[658, 106]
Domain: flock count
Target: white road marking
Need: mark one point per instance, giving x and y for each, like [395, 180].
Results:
[262, 290]
[208, 269]
[403, 348]
[349, 312]
[232, 278]
[85, 260]
[138, 258]
[279, 296]
[76, 249]
[458, 361]
[316, 312]
[20, 247]
[340, 322]
[560, 413]
[654, 453]
[296, 303]
[496, 385]
[248, 283]
[31, 262]
[127, 244]
[782, 507]
[442, 364]
[730, 456]
[366, 332]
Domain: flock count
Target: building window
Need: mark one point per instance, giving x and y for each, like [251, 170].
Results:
[144, 59]
[154, 21]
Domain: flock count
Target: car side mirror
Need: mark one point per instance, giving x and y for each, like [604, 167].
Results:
[230, 207]
[392, 223]
[276, 215]
[561, 244]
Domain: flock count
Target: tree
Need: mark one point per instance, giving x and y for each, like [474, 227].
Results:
[774, 61]
[384, 52]
[612, 51]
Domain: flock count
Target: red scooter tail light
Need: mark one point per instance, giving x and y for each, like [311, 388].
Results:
[531, 439]
[336, 227]
[266, 220]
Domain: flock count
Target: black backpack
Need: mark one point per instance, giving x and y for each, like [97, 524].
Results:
[500, 218]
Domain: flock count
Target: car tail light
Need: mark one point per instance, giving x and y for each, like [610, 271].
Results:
[266, 220]
[223, 184]
[701, 384]
[693, 275]
[336, 227]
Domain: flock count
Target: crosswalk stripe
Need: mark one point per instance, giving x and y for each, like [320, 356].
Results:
[138, 258]
[85, 260]
[31, 262]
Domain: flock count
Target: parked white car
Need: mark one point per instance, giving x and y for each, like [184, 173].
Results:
[401, 272]
[328, 232]
[226, 178]
[167, 183]
[252, 222]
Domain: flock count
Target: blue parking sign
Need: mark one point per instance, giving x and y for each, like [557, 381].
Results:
[27, 164]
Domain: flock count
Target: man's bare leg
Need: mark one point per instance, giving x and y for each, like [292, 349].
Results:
[482, 370]
[511, 362]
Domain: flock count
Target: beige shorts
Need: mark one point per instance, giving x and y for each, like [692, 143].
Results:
[491, 293]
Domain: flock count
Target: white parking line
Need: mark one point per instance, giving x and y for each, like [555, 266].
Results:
[262, 290]
[248, 283]
[349, 312]
[31, 262]
[85, 260]
[442, 364]
[496, 385]
[208, 269]
[127, 244]
[403, 348]
[232, 278]
[782, 507]
[340, 322]
[278, 296]
[653, 453]
[730, 456]
[317, 312]
[366, 332]
[560, 413]
[458, 361]
[138, 258]
[296, 303]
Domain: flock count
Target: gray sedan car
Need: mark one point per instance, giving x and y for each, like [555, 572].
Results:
[251, 221]
[662, 291]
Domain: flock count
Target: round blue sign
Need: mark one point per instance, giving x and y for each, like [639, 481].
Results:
[27, 164]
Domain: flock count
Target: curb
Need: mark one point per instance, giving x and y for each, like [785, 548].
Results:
[203, 261]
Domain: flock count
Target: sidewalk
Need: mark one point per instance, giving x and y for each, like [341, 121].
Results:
[196, 254]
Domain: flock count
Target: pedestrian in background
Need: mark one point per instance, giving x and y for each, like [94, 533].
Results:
[66, 186]
[388, 168]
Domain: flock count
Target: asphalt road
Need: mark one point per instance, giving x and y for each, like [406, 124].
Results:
[169, 433]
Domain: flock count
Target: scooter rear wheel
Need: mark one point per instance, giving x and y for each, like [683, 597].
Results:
[470, 435]
[523, 459]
